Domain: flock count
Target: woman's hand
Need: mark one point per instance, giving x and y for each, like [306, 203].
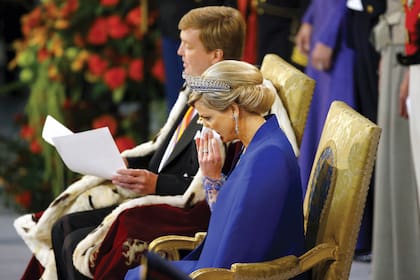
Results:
[321, 57]
[141, 181]
[303, 38]
[209, 156]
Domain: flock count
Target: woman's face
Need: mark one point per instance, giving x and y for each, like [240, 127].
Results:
[221, 122]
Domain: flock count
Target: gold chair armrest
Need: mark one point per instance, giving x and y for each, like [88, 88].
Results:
[169, 246]
[281, 268]
[212, 273]
[320, 253]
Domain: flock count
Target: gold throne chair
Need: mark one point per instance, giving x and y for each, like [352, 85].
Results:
[294, 87]
[333, 206]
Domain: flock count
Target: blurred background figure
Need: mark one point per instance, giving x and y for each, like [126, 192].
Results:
[396, 229]
[409, 97]
[322, 37]
[277, 23]
[362, 17]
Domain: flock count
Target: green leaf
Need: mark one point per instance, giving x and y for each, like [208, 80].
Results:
[118, 94]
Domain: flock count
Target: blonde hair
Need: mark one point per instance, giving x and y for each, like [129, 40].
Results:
[246, 88]
[220, 28]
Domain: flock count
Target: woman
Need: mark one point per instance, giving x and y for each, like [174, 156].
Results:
[321, 36]
[257, 215]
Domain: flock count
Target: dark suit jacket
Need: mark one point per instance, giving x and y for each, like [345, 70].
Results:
[374, 8]
[277, 22]
[181, 166]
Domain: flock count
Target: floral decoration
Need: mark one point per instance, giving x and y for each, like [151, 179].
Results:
[89, 64]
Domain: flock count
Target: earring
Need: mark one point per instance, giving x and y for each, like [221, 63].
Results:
[235, 118]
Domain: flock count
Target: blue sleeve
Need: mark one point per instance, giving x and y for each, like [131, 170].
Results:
[332, 22]
[308, 16]
[211, 189]
[133, 274]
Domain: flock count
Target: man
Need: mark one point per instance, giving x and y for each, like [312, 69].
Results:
[277, 23]
[208, 35]
[330, 64]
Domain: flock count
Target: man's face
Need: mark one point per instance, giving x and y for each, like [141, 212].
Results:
[196, 59]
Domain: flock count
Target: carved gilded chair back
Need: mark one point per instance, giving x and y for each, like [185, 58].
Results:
[338, 187]
[294, 87]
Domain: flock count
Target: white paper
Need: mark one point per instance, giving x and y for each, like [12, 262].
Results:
[91, 152]
[53, 128]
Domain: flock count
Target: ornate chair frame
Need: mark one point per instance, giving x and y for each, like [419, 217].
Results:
[334, 204]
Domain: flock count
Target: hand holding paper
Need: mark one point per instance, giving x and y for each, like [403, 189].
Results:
[92, 152]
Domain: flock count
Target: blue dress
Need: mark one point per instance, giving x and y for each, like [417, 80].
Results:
[327, 18]
[258, 215]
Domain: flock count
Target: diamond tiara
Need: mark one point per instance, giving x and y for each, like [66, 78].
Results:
[201, 84]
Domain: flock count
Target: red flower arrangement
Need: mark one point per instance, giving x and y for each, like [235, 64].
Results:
[106, 121]
[85, 62]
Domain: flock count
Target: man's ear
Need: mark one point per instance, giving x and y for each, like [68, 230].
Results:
[218, 55]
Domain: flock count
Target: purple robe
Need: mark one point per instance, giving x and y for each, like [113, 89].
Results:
[327, 18]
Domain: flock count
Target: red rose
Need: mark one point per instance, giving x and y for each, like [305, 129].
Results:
[158, 70]
[97, 34]
[67, 104]
[135, 71]
[51, 10]
[97, 65]
[35, 147]
[27, 132]
[69, 7]
[115, 77]
[31, 20]
[124, 143]
[78, 40]
[24, 199]
[42, 54]
[108, 3]
[134, 17]
[106, 121]
[117, 29]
